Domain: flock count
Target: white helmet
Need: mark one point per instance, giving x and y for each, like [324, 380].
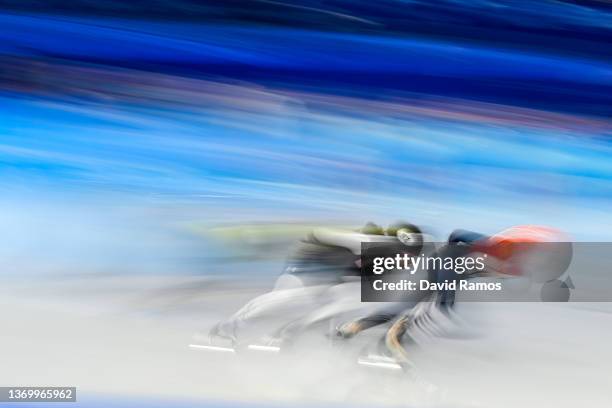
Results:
[408, 234]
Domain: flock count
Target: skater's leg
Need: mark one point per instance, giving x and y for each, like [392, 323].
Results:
[354, 327]
[288, 294]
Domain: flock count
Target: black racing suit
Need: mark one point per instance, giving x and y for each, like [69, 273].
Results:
[459, 244]
[316, 261]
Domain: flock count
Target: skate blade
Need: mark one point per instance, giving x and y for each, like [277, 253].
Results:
[382, 362]
[211, 348]
[268, 349]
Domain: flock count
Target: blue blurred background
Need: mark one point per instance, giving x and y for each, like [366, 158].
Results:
[150, 149]
[130, 130]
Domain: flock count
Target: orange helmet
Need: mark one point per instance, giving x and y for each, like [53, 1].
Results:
[541, 252]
